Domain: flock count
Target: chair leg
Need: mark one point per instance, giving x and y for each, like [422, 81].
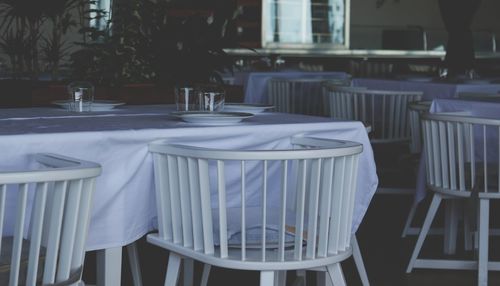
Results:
[267, 278]
[323, 278]
[174, 264]
[135, 267]
[301, 276]
[280, 279]
[336, 275]
[188, 272]
[431, 213]
[358, 260]
[451, 226]
[484, 213]
[205, 274]
[469, 215]
[409, 219]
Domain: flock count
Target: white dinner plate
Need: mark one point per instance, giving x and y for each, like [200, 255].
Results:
[212, 118]
[97, 105]
[246, 107]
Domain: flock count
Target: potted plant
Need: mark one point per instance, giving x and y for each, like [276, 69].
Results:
[33, 51]
[188, 44]
[156, 45]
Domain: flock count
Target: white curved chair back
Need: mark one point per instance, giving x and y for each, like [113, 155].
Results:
[462, 154]
[331, 84]
[279, 95]
[385, 111]
[415, 110]
[54, 247]
[306, 194]
[301, 95]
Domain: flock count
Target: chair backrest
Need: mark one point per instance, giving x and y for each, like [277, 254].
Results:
[365, 68]
[279, 95]
[479, 96]
[301, 95]
[461, 153]
[415, 110]
[385, 111]
[207, 197]
[331, 84]
[54, 245]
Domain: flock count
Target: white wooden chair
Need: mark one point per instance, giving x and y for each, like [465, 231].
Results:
[301, 95]
[306, 226]
[462, 161]
[52, 251]
[386, 112]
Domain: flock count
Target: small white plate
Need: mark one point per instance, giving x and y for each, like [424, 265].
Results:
[246, 107]
[97, 105]
[212, 118]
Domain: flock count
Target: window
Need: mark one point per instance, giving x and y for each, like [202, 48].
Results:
[305, 23]
[105, 5]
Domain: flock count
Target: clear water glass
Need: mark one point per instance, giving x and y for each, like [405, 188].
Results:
[187, 99]
[81, 96]
[212, 100]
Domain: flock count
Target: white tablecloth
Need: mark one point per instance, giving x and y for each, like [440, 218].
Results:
[476, 108]
[256, 84]
[124, 208]
[431, 90]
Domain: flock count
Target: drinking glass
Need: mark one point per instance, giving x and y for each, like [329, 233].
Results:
[212, 99]
[187, 99]
[81, 96]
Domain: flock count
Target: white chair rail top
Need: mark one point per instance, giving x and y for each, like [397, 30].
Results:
[124, 206]
[431, 90]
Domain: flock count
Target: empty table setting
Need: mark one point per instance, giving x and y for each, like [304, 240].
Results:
[124, 207]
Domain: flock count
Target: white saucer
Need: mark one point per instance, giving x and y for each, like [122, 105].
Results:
[97, 105]
[212, 118]
[246, 107]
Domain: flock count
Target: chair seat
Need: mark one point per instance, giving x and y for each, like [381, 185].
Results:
[253, 259]
[5, 265]
[253, 236]
[6, 254]
[492, 191]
